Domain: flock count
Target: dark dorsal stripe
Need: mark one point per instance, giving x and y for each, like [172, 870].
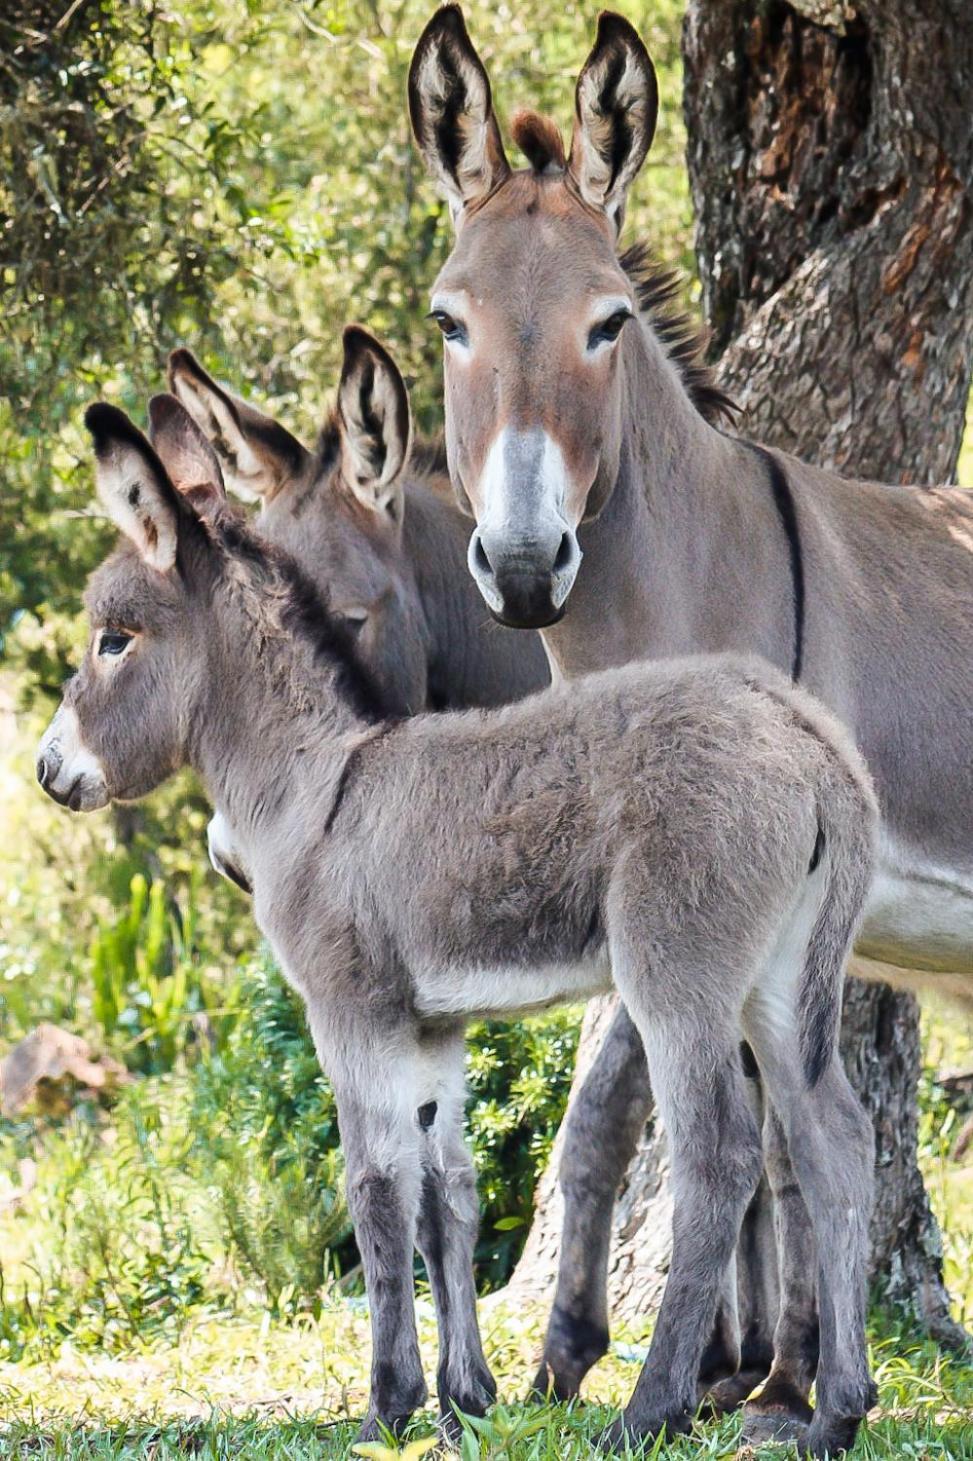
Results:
[787, 512]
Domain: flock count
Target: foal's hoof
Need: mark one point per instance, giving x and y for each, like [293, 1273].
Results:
[775, 1426]
[476, 1399]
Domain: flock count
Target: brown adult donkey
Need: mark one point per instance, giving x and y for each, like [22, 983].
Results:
[412, 873]
[613, 512]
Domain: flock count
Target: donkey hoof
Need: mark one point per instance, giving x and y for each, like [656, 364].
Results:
[727, 1395]
[571, 1348]
[378, 1427]
[774, 1426]
[637, 1433]
[832, 1435]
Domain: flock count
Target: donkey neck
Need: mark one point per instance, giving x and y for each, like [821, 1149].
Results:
[272, 719]
[677, 562]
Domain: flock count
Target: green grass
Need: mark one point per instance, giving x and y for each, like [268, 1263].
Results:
[253, 1387]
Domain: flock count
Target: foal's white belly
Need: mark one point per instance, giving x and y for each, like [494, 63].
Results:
[919, 918]
[480, 993]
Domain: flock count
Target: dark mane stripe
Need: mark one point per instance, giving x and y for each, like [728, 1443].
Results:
[787, 512]
[305, 614]
[656, 289]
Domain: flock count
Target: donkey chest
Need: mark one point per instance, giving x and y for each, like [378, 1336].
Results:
[919, 917]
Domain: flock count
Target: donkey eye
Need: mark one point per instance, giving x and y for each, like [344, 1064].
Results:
[114, 641]
[452, 329]
[609, 329]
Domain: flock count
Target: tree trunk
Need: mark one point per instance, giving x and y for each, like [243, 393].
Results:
[831, 161]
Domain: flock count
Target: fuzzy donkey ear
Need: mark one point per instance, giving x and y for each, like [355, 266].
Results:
[133, 487]
[259, 457]
[190, 462]
[452, 112]
[374, 423]
[616, 104]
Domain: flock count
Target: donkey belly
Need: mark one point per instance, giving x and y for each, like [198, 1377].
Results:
[919, 921]
[482, 993]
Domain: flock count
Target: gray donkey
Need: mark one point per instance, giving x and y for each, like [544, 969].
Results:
[699, 831]
[369, 512]
[584, 437]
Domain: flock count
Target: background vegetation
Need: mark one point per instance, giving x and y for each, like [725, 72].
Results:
[239, 177]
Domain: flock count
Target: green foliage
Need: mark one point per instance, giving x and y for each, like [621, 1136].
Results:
[519, 1076]
[150, 996]
[267, 1140]
[119, 1256]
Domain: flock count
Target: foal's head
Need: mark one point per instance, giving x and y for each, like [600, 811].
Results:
[532, 304]
[338, 510]
[199, 630]
[122, 725]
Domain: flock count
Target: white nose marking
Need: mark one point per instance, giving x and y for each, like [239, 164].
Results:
[63, 740]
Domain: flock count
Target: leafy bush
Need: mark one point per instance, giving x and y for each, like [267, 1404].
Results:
[267, 1142]
[152, 997]
[123, 1244]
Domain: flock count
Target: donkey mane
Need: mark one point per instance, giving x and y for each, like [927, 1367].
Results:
[683, 341]
[282, 604]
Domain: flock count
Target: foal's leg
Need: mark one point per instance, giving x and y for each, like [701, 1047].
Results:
[446, 1236]
[716, 1162]
[782, 1411]
[740, 1352]
[601, 1132]
[832, 1147]
[376, 1078]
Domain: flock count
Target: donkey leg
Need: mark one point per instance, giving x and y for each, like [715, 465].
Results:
[716, 1164]
[739, 1355]
[782, 1411]
[380, 1140]
[446, 1237]
[601, 1132]
[832, 1147]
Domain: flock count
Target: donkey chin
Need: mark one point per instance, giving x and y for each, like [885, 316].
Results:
[67, 770]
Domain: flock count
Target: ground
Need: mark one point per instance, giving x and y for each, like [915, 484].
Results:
[250, 1385]
[265, 1390]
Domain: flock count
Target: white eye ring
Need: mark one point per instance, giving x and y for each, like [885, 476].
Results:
[112, 646]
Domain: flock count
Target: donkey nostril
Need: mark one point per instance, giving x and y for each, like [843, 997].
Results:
[480, 559]
[565, 553]
[42, 772]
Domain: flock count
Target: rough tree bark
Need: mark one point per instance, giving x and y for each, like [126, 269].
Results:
[831, 161]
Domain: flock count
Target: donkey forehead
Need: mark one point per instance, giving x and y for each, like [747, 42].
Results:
[533, 239]
[124, 591]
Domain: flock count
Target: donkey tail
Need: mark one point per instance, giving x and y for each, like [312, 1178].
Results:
[846, 844]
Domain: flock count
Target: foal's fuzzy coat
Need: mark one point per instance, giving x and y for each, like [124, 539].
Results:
[699, 828]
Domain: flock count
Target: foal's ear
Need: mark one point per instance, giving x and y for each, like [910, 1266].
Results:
[374, 422]
[616, 103]
[452, 112]
[259, 457]
[190, 462]
[133, 486]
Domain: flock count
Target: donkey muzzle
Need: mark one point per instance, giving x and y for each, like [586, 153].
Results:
[525, 585]
[66, 769]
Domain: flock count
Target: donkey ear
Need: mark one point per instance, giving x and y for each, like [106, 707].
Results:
[374, 422]
[452, 112]
[616, 103]
[258, 456]
[190, 462]
[133, 486]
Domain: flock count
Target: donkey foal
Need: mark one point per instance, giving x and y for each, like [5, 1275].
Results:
[699, 828]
